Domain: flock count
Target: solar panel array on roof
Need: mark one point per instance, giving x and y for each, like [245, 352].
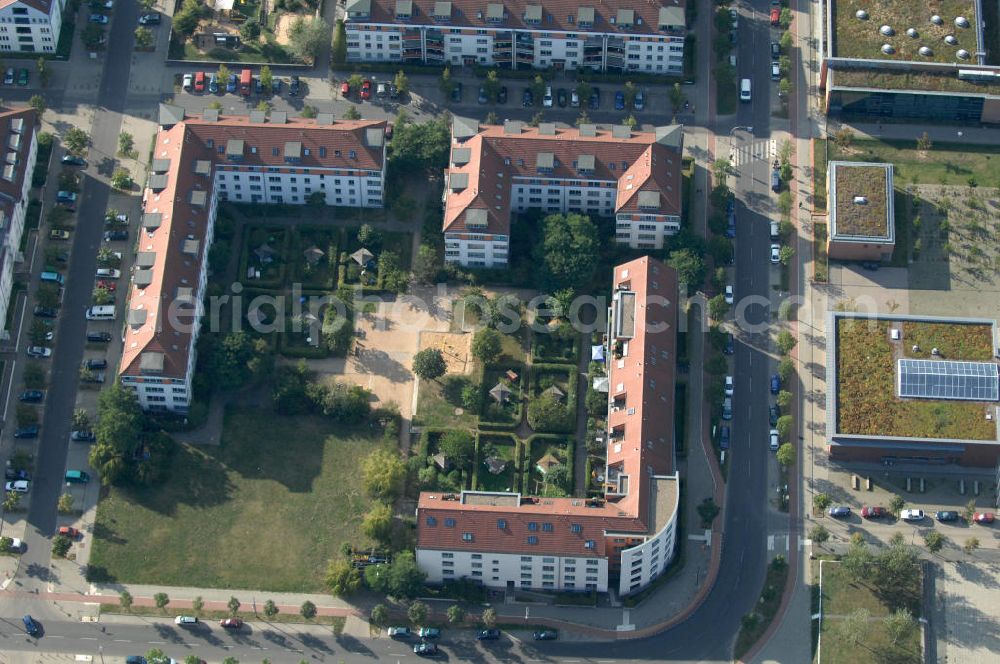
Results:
[945, 379]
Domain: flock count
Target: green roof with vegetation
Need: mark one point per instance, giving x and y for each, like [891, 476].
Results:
[866, 380]
[856, 38]
[883, 79]
[868, 219]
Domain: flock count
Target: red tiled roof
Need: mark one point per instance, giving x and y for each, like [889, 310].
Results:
[646, 375]
[183, 222]
[43, 6]
[556, 15]
[638, 162]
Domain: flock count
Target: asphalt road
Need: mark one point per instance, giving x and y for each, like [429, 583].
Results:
[71, 333]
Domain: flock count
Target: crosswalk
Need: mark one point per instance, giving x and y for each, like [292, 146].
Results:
[764, 149]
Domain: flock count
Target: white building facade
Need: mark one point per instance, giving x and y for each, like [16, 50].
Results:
[19, 142]
[30, 25]
[501, 570]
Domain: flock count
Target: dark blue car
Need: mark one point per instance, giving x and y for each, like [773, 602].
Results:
[31, 627]
[724, 438]
[619, 101]
[840, 511]
[775, 384]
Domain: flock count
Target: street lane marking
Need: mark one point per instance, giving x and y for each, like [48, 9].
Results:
[122, 641]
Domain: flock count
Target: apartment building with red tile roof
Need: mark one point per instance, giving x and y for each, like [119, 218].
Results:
[609, 35]
[496, 171]
[30, 25]
[197, 162]
[19, 142]
[514, 540]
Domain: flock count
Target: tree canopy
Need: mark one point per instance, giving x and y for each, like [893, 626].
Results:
[383, 472]
[487, 346]
[568, 253]
[429, 364]
[420, 147]
[307, 38]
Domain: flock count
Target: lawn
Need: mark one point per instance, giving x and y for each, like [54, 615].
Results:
[505, 447]
[854, 38]
[439, 400]
[819, 173]
[508, 411]
[266, 509]
[265, 249]
[866, 394]
[555, 344]
[766, 608]
[321, 271]
[840, 597]
[944, 163]
[821, 264]
[560, 448]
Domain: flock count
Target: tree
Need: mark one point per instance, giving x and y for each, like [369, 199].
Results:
[401, 82]
[855, 626]
[121, 179]
[230, 660]
[896, 505]
[819, 534]
[459, 447]
[125, 600]
[785, 342]
[630, 121]
[368, 237]
[857, 562]
[383, 472]
[899, 625]
[821, 501]
[186, 19]
[426, 264]
[76, 141]
[720, 169]
[718, 307]
[546, 414]
[489, 617]
[307, 38]
[429, 364]
[417, 613]
[405, 578]
[37, 102]
[446, 82]
[102, 295]
[785, 255]
[11, 500]
[676, 97]
[568, 253]
[969, 511]
[843, 138]
[193, 659]
[143, 38]
[234, 605]
[689, 265]
[785, 369]
[537, 86]
[377, 524]
[222, 74]
[786, 455]
[266, 77]
[935, 541]
[784, 426]
[456, 614]
[708, 510]
[339, 52]
[161, 600]
[307, 610]
[81, 419]
[924, 142]
[65, 505]
[784, 399]
[352, 113]
[197, 605]
[270, 609]
[487, 345]
[491, 86]
[309, 112]
[156, 656]
[42, 65]
[250, 31]
[379, 615]
[970, 545]
[93, 37]
[582, 119]
[896, 568]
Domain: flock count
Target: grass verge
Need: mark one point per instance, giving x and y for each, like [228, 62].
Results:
[821, 262]
[756, 623]
[337, 622]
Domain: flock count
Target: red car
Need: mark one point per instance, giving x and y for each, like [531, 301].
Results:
[366, 89]
[983, 517]
[345, 88]
[68, 531]
[873, 512]
[231, 623]
[775, 16]
[199, 81]
[107, 285]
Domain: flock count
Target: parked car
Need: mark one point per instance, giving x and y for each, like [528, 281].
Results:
[187, 83]
[983, 517]
[294, 85]
[32, 396]
[23, 75]
[912, 515]
[527, 98]
[574, 100]
[68, 531]
[730, 346]
[58, 234]
[115, 217]
[8, 77]
[186, 620]
[96, 363]
[730, 296]
[429, 632]
[152, 18]
[275, 85]
[115, 236]
[199, 81]
[232, 83]
[595, 99]
[258, 86]
[345, 89]
[729, 386]
[727, 408]
[18, 486]
[547, 98]
[99, 19]
[561, 98]
[30, 431]
[31, 626]
[772, 440]
[366, 89]
[619, 101]
[775, 16]
[108, 273]
[398, 632]
[873, 512]
[213, 84]
[77, 477]
[775, 384]
[45, 312]
[83, 437]
[772, 415]
[775, 254]
[639, 101]
[39, 351]
[724, 437]
[65, 196]
[456, 92]
[107, 285]
[482, 98]
[946, 515]
[97, 378]
[544, 635]
[99, 337]
[488, 635]
[231, 623]
[393, 91]
[840, 511]
[10, 473]
[502, 95]
[72, 160]
[425, 649]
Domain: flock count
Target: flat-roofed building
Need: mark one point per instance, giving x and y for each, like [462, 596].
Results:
[862, 213]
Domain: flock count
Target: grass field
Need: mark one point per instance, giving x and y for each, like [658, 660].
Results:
[266, 509]
[439, 400]
[944, 163]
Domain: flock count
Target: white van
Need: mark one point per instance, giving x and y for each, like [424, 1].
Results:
[745, 89]
[775, 230]
[101, 312]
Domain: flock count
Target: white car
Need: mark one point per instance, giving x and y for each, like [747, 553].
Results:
[729, 386]
[18, 486]
[16, 545]
[188, 82]
[108, 273]
[775, 254]
[547, 99]
[39, 351]
[912, 515]
[773, 440]
[185, 620]
[730, 296]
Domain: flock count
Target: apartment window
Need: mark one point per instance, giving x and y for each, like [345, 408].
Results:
[532, 539]
[589, 544]
[447, 554]
[477, 565]
[449, 523]
[525, 559]
[525, 568]
[547, 528]
[575, 528]
[477, 556]
[548, 568]
[476, 573]
[466, 537]
[448, 563]
[532, 526]
[501, 524]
